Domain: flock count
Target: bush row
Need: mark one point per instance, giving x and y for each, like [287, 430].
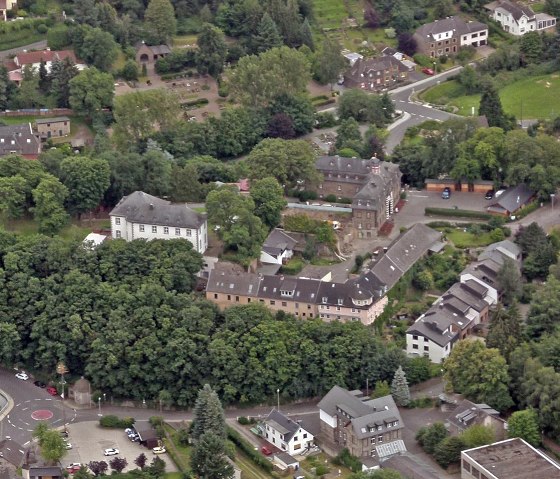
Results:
[249, 450]
[457, 213]
[111, 421]
[319, 103]
[195, 103]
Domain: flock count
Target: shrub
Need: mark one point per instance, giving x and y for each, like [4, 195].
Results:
[346, 459]
[534, 206]
[330, 198]
[390, 33]
[195, 103]
[321, 470]
[346, 201]
[223, 90]
[129, 71]
[325, 120]
[423, 60]
[243, 420]
[42, 28]
[111, 421]
[249, 450]
[319, 97]
[457, 213]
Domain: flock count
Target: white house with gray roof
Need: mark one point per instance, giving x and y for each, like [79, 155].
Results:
[285, 434]
[143, 216]
[278, 247]
[517, 18]
[363, 425]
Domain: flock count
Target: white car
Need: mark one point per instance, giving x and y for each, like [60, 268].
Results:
[67, 445]
[158, 450]
[499, 193]
[23, 376]
[110, 452]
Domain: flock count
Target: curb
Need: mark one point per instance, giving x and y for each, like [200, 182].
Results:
[8, 407]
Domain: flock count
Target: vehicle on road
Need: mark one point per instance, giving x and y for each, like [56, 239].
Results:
[73, 467]
[52, 391]
[40, 384]
[158, 450]
[446, 193]
[428, 71]
[489, 195]
[266, 451]
[23, 376]
[67, 445]
[110, 452]
[499, 193]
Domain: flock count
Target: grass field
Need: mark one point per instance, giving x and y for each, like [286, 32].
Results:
[20, 39]
[535, 97]
[27, 227]
[184, 40]
[462, 239]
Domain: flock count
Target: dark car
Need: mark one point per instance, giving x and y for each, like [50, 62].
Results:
[489, 194]
[446, 194]
[39, 384]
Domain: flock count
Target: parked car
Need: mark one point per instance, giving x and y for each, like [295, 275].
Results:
[446, 194]
[134, 437]
[67, 445]
[130, 431]
[428, 71]
[64, 433]
[23, 376]
[266, 451]
[52, 391]
[489, 195]
[73, 467]
[499, 193]
[110, 452]
[158, 450]
[40, 384]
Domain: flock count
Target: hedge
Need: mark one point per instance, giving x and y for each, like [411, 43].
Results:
[116, 422]
[195, 103]
[456, 213]
[330, 101]
[249, 450]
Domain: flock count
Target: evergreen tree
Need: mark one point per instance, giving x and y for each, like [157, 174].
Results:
[208, 458]
[307, 35]
[212, 50]
[208, 415]
[160, 21]
[44, 80]
[61, 74]
[491, 107]
[267, 36]
[449, 450]
[506, 331]
[329, 62]
[399, 388]
[509, 279]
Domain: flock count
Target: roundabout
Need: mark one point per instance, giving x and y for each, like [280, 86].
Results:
[26, 414]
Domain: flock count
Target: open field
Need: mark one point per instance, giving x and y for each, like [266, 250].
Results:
[534, 97]
[20, 38]
[74, 229]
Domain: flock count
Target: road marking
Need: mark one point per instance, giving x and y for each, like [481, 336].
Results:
[27, 443]
[47, 399]
[419, 196]
[26, 423]
[24, 409]
[23, 452]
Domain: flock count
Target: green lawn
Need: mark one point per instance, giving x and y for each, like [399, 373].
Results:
[184, 40]
[27, 227]
[15, 39]
[534, 97]
[329, 13]
[462, 239]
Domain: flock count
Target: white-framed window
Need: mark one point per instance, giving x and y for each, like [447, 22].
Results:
[117, 221]
[118, 234]
[189, 233]
[141, 228]
[154, 229]
[177, 231]
[166, 230]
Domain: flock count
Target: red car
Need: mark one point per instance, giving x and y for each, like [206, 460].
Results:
[52, 391]
[428, 71]
[74, 467]
[266, 451]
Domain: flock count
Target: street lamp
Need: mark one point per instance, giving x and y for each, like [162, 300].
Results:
[278, 397]
[99, 404]
[62, 370]
[552, 195]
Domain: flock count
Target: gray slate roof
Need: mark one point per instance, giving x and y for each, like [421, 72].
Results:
[18, 138]
[505, 247]
[516, 10]
[455, 24]
[142, 208]
[277, 242]
[57, 119]
[45, 471]
[368, 68]
[236, 283]
[512, 199]
[283, 424]
[436, 326]
[468, 413]
[403, 253]
[411, 466]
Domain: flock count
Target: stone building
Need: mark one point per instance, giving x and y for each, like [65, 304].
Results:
[80, 392]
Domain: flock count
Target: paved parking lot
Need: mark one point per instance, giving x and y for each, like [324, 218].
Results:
[89, 440]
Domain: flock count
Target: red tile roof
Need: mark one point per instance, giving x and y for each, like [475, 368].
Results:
[28, 58]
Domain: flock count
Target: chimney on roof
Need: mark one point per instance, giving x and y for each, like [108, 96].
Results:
[151, 206]
[376, 166]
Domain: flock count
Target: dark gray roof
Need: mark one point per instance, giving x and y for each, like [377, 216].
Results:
[57, 119]
[516, 10]
[512, 199]
[468, 413]
[436, 326]
[450, 24]
[289, 288]
[277, 242]
[344, 165]
[283, 424]
[403, 253]
[507, 245]
[236, 283]
[339, 396]
[466, 295]
[286, 458]
[476, 288]
[45, 471]
[156, 49]
[410, 466]
[19, 139]
[142, 208]
[368, 68]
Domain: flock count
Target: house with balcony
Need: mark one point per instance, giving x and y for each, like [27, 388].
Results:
[143, 216]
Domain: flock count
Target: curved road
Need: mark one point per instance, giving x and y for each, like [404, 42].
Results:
[417, 111]
[32, 46]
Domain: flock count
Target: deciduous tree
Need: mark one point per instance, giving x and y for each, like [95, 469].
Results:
[212, 50]
[268, 196]
[90, 91]
[525, 424]
[49, 198]
[160, 21]
[329, 62]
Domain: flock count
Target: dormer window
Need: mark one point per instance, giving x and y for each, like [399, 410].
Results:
[340, 301]
[286, 293]
[324, 299]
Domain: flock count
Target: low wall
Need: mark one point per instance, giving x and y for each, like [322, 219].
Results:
[38, 112]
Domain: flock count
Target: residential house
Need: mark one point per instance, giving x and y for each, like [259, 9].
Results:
[508, 459]
[278, 247]
[53, 127]
[146, 54]
[518, 18]
[465, 305]
[511, 200]
[468, 414]
[447, 36]
[285, 434]
[143, 216]
[19, 140]
[48, 57]
[358, 299]
[373, 185]
[5, 6]
[42, 472]
[375, 74]
[363, 425]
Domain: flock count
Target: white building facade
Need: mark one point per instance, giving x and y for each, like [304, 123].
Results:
[285, 434]
[142, 216]
[519, 19]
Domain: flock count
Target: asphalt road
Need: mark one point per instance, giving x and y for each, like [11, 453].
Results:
[32, 46]
[415, 112]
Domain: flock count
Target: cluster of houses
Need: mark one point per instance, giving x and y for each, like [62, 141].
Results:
[464, 306]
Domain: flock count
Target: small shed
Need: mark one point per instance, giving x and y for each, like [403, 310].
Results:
[148, 436]
[80, 392]
[284, 461]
